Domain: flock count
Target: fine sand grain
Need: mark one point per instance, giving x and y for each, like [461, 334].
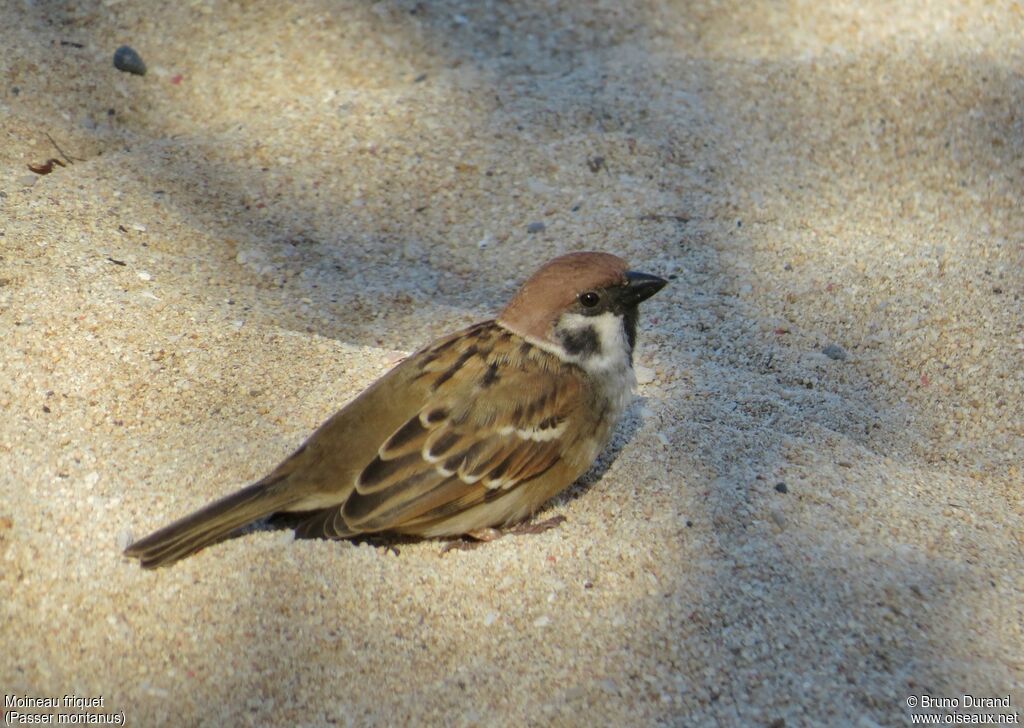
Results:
[812, 512]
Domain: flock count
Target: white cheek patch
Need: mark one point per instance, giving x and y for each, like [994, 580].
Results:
[613, 350]
[610, 364]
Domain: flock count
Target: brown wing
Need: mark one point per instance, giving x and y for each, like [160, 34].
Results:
[497, 425]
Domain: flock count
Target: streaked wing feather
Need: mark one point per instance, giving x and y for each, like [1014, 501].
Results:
[494, 426]
[325, 523]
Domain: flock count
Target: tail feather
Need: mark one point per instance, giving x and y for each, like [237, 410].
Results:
[210, 524]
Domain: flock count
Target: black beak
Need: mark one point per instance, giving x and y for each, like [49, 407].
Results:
[640, 287]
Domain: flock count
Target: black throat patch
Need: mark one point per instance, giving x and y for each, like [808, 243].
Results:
[629, 317]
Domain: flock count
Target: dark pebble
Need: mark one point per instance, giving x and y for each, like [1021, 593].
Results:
[126, 59]
[781, 487]
[834, 351]
[535, 227]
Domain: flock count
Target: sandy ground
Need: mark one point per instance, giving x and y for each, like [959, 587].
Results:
[293, 197]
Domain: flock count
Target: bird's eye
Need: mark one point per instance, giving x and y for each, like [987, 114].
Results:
[590, 299]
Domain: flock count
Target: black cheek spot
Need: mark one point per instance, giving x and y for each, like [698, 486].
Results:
[581, 342]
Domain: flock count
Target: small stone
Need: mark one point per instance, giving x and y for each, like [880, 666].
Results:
[834, 351]
[490, 618]
[535, 227]
[143, 275]
[542, 621]
[127, 59]
[27, 180]
[781, 487]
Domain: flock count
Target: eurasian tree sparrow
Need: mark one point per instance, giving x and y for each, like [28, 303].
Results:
[476, 430]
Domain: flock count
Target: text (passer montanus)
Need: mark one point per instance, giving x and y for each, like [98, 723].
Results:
[476, 430]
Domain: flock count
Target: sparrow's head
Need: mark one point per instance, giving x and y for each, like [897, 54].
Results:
[584, 305]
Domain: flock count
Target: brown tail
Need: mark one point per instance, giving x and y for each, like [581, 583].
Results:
[210, 524]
